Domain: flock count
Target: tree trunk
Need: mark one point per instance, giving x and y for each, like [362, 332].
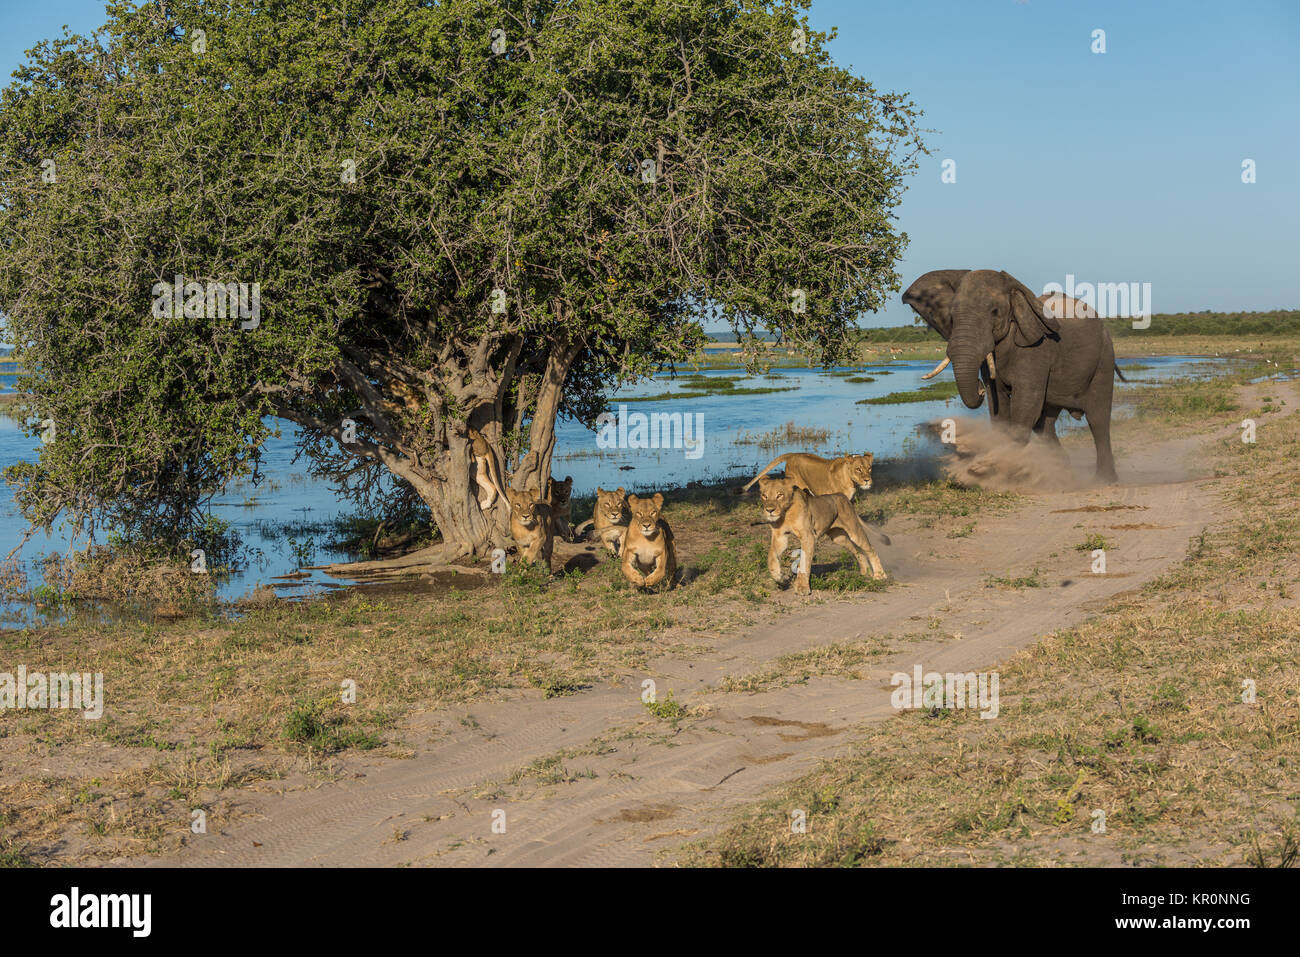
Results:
[439, 464]
[466, 530]
[535, 467]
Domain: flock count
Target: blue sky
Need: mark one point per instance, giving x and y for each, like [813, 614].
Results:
[1123, 166]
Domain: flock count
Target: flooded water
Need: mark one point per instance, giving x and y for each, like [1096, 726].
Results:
[283, 521]
[816, 399]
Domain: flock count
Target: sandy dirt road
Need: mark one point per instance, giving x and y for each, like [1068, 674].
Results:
[634, 788]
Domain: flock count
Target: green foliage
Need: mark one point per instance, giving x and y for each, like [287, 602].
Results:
[474, 170]
[1032, 580]
[12, 855]
[666, 708]
[1092, 543]
[313, 725]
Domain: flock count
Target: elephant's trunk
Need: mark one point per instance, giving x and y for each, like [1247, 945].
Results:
[967, 355]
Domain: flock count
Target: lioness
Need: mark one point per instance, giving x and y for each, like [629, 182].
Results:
[648, 543]
[608, 519]
[844, 475]
[530, 525]
[559, 497]
[794, 513]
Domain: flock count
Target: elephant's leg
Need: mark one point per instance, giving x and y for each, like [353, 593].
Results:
[999, 403]
[1026, 411]
[1100, 426]
[1046, 426]
[1097, 409]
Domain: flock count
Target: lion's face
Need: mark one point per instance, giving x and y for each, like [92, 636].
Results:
[777, 496]
[860, 470]
[558, 493]
[613, 505]
[524, 507]
[645, 513]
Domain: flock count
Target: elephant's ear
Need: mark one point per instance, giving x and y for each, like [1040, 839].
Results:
[1032, 321]
[932, 295]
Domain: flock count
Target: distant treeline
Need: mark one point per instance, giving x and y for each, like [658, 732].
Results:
[897, 334]
[1280, 322]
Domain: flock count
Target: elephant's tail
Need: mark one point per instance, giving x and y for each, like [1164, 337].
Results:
[1120, 374]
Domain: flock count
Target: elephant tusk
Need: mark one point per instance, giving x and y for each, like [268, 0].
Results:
[937, 369]
[993, 368]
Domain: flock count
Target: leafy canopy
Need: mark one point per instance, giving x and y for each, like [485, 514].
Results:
[216, 141]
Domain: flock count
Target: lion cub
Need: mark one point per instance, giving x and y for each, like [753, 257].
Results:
[794, 513]
[485, 470]
[608, 519]
[559, 495]
[530, 526]
[648, 543]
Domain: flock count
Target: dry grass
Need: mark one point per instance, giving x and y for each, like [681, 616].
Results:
[841, 659]
[217, 700]
[790, 435]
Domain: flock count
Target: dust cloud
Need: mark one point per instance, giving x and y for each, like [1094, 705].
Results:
[984, 454]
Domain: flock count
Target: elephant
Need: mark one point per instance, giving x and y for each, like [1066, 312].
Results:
[1032, 364]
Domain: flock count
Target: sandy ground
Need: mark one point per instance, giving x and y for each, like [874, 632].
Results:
[632, 787]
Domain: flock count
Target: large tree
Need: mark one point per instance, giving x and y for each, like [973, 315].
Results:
[459, 215]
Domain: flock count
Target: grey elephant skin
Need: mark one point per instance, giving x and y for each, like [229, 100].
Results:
[1040, 365]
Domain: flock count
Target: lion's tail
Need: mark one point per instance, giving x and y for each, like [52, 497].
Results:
[578, 531]
[770, 465]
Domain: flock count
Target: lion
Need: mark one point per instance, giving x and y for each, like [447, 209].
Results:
[608, 519]
[530, 526]
[844, 475]
[485, 470]
[648, 543]
[559, 495]
[793, 512]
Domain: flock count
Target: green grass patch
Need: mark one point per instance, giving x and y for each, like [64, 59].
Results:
[944, 389]
[1032, 580]
[669, 396]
